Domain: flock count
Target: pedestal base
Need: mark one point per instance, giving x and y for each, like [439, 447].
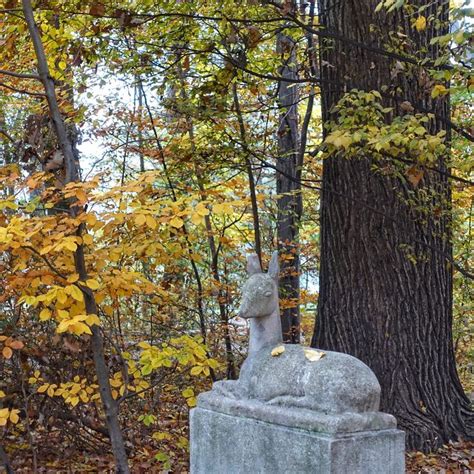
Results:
[228, 444]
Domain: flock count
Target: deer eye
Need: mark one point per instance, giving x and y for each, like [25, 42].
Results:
[267, 293]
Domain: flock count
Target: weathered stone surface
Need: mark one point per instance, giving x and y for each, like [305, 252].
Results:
[337, 383]
[297, 417]
[229, 444]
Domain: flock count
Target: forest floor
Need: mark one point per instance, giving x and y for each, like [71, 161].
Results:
[450, 459]
[455, 458]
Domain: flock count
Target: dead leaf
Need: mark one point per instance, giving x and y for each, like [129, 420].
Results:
[415, 175]
[278, 350]
[7, 352]
[16, 345]
[407, 107]
[313, 355]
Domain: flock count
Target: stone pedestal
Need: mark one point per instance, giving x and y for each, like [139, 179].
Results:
[234, 440]
[292, 413]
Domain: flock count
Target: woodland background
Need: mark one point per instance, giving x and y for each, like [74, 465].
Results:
[147, 146]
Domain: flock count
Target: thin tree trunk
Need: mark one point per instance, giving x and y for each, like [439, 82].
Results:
[231, 372]
[72, 173]
[250, 175]
[288, 187]
[393, 313]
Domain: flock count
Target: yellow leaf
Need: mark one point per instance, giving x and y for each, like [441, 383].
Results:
[43, 388]
[202, 210]
[62, 296]
[73, 278]
[177, 222]
[74, 401]
[80, 193]
[150, 222]
[191, 401]
[63, 325]
[140, 219]
[45, 314]
[92, 284]
[188, 392]
[87, 239]
[75, 292]
[92, 319]
[222, 208]
[70, 245]
[14, 418]
[438, 89]
[63, 314]
[2, 394]
[79, 328]
[313, 355]
[278, 350]
[197, 219]
[420, 23]
[196, 370]
[83, 396]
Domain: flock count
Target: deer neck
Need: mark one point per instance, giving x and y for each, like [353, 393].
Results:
[265, 331]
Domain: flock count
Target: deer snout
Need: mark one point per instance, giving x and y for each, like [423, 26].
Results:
[242, 312]
[245, 310]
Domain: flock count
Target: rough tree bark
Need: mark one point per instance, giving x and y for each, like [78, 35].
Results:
[288, 186]
[71, 174]
[374, 302]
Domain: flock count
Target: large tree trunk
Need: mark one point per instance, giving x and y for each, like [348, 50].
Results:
[288, 188]
[375, 303]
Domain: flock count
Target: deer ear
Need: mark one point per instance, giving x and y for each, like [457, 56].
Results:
[253, 264]
[274, 267]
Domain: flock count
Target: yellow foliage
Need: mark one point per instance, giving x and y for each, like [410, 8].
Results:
[420, 23]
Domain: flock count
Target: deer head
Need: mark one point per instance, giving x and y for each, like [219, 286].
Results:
[260, 303]
[260, 291]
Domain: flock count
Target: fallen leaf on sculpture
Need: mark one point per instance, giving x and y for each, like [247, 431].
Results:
[313, 355]
[278, 350]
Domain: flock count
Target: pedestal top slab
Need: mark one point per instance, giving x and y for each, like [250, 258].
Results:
[295, 417]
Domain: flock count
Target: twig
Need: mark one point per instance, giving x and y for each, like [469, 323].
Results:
[5, 461]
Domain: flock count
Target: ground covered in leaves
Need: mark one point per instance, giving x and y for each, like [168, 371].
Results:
[450, 459]
[454, 458]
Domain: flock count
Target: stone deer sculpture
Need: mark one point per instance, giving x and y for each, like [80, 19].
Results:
[292, 375]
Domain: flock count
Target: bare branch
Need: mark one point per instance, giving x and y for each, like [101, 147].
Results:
[21, 75]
